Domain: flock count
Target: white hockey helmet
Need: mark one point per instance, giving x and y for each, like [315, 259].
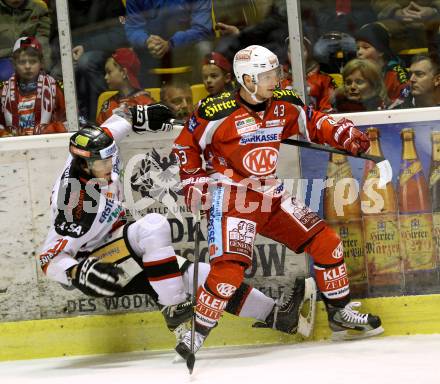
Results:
[253, 61]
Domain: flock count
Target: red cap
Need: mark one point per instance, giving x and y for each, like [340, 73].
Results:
[27, 41]
[219, 60]
[127, 59]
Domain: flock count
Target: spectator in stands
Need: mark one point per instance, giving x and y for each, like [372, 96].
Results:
[177, 96]
[410, 23]
[270, 33]
[121, 71]
[216, 74]
[372, 42]
[323, 16]
[240, 14]
[320, 86]
[318, 17]
[32, 102]
[22, 18]
[97, 30]
[164, 34]
[363, 88]
[333, 50]
[424, 83]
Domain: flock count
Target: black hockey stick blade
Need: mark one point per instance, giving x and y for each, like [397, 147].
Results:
[384, 166]
[190, 361]
[326, 148]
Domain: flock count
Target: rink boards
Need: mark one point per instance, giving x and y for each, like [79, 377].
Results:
[87, 335]
[39, 319]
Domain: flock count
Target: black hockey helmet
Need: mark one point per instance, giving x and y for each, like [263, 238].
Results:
[92, 143]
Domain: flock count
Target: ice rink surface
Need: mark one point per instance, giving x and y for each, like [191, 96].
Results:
[388, 360]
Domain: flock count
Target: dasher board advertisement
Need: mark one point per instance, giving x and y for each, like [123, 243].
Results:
[391, 236]
[28, 169]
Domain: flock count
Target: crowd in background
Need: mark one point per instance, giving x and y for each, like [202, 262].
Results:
[360, 55]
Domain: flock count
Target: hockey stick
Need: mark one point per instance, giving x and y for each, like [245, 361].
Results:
[192, 358]
[383, 165]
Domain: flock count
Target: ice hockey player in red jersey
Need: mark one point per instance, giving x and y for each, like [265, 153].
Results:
[91, 247]
[238, 136]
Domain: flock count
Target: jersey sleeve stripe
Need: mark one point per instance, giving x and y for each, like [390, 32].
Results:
[209, 132]
[302, 122]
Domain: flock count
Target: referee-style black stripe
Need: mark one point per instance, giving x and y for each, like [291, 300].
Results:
[236, 301]
[127, 243]
[330, 265]
[159, 270]
[186, 264]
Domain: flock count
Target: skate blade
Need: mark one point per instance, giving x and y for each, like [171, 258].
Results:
[356, 335]
[178, 359]
[306, 321]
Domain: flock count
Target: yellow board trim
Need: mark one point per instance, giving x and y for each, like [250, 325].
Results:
[88, 335]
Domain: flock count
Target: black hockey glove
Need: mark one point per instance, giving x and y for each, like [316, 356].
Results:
[151, 118]
[95, 278]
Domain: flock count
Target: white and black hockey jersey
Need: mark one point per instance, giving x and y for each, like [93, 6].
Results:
[84, 213]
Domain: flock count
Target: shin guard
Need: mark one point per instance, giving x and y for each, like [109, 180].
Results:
[213, 296]
[330, 269]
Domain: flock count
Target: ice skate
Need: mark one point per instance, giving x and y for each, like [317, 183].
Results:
[349, 324]
[177, 317]
[297, 313]
[184, 347]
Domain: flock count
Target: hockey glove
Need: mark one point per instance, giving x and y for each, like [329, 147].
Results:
[196, 192]
[151, 118]
[95, 278]
[350, 138]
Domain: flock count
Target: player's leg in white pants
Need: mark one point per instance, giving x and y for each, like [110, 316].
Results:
[150, 238]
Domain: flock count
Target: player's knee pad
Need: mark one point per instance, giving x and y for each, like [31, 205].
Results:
[152, 234]
[224, 278]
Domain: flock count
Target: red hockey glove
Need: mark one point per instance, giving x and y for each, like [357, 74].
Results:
[348, 136]
[196, 192]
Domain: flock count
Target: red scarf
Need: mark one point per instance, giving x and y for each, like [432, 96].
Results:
[45, 101]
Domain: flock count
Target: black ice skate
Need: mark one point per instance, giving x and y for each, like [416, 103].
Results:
[349, 324]
[177, 317]
[184, 347]
[288, 316]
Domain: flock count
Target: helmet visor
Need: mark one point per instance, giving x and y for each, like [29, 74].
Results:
[270, 78]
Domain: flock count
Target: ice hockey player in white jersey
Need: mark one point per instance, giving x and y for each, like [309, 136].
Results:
[91, 246]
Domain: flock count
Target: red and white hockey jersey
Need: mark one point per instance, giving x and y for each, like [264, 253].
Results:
[238, 143]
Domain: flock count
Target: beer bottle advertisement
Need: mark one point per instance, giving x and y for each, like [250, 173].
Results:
[415, 219]
[434, 186]
[342, 211]
[381, 228]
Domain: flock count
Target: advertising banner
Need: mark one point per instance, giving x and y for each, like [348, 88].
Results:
[150, 183]
[390, 235]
